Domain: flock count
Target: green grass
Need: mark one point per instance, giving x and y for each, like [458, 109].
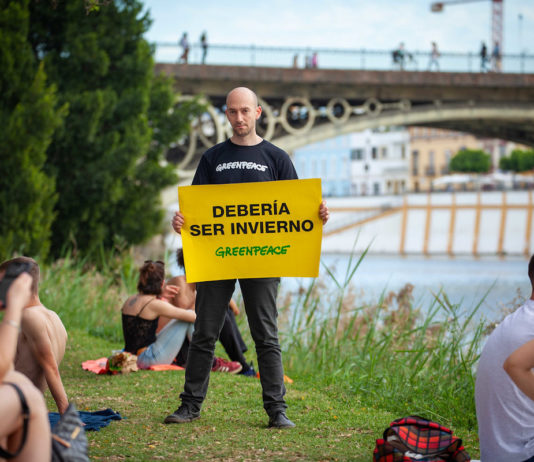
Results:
[355, 369]
[332, 424]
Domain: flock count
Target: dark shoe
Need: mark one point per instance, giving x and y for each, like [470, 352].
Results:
[250, 372]
[280, 420]
[182, 415]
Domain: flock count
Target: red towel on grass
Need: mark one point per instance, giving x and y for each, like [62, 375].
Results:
[100, 366]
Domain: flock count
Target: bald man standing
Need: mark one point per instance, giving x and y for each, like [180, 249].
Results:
[243, 158]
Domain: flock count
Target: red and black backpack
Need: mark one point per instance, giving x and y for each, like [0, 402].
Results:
[420, 440]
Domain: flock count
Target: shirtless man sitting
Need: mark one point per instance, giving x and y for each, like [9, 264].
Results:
[24, 426]
[42, 341]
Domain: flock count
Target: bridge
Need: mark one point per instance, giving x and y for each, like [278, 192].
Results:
[303, 106]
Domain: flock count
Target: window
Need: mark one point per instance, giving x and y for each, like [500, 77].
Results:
[383, 152]
[431, 169]
[376, 189]
[415, 162]
[374, 152]
[356, 154]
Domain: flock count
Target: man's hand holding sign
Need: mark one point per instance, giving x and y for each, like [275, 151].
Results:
[251, 229]
[246, 217]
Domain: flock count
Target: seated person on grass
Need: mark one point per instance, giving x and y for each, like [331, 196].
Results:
[504, 389]
[140, 315]
[24, 427]
[42, 342]
[230, 337]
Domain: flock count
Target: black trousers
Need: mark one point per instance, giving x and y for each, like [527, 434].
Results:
[213, 297]
[230, 339]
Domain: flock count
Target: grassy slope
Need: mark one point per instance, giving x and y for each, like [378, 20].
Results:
[331, 425]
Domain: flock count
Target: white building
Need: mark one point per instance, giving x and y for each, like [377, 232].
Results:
[371, 162]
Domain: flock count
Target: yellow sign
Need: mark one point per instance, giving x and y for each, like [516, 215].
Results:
[251, 230]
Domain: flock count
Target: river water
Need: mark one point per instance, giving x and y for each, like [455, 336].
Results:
[466, 281]
[502, 282]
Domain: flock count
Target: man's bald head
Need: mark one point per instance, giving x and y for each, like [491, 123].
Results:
[242, 93]
[242, 111]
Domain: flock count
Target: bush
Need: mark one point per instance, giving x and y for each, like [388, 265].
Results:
[470, 161]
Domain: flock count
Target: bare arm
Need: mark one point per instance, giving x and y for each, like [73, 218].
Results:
[234, 307]
[185, 296]
[161, 308]
[169, 292]
[17, 297]
[519, 367]
[41, 347]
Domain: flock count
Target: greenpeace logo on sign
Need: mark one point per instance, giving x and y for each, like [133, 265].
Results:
[241, 166]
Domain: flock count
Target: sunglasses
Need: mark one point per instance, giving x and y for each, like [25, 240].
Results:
[157, 262]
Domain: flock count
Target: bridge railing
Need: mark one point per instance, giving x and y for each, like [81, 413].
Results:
[339, 58]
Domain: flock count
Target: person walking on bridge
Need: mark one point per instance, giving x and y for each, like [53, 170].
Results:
[250, 159]
[496, 58]
[483, 58]
[184, 43]
[204, 45]
[434, 55]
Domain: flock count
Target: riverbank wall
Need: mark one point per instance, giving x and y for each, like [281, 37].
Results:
[440, 223]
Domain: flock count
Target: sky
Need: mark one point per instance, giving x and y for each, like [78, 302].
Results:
[342, 24]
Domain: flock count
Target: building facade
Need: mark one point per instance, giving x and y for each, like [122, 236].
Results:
[391, 160]
[431, 152]
[372, 162]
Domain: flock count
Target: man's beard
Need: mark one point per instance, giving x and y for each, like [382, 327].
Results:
[242, 131]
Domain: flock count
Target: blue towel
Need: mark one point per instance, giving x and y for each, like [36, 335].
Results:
[92, 420]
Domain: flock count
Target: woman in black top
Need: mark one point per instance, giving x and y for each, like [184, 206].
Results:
[140, 314]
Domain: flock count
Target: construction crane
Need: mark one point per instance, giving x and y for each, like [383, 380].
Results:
[496, 16]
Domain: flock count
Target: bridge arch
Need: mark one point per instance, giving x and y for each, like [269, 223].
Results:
[458, 117]
[302, 106]
[314, 123]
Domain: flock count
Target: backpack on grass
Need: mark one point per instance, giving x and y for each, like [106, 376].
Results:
[415, 439]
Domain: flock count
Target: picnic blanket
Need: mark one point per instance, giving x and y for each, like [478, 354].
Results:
[100, 366]
[92, 420]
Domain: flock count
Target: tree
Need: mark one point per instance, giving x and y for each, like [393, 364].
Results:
[518, 161]
[470, 161]
[107, 157]
[29, 115]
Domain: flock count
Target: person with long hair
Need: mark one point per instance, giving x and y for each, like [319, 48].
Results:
[140, 314]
